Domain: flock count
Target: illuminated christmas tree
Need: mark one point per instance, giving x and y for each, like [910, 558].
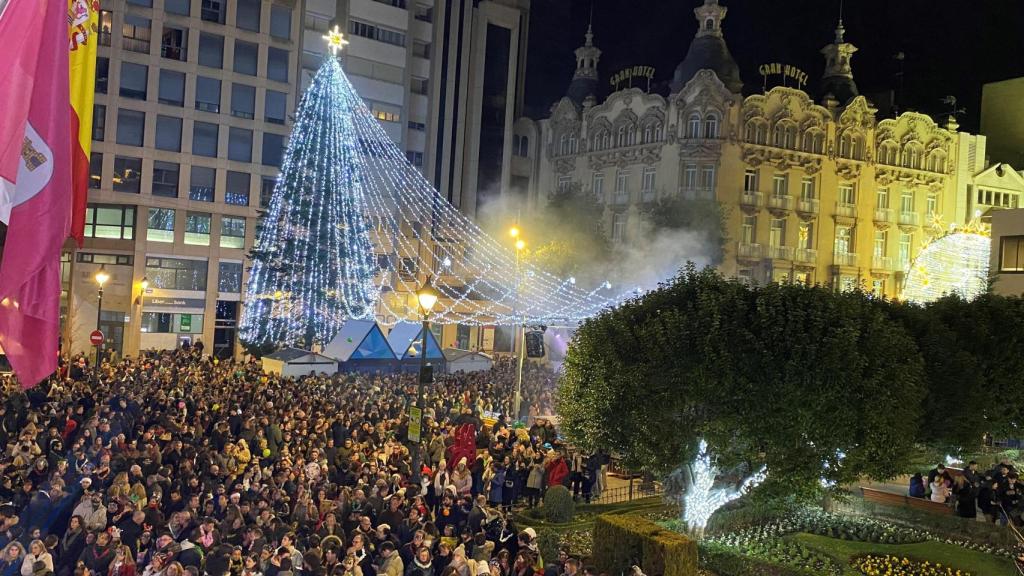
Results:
[313, 263]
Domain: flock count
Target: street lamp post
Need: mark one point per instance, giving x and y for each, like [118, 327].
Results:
[101, 278]
[521, 332]
[427, 297]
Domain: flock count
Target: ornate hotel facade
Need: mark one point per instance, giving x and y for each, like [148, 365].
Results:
[815, 188]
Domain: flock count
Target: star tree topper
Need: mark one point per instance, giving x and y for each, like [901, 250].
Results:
[335, 40]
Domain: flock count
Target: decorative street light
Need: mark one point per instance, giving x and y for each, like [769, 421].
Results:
[101, 278]
[427, 297]
[521, 337]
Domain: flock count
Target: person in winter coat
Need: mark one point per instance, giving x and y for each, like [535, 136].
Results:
[36, 553]
[966, 504]
[123, 563]
[557, 470]
[535, 481]
[13, 556]
[916, 489]
[98, 556]
[390, 561]
[462, 478]
[422, 565]
[70, 547]
[442, 478]
[496, 485]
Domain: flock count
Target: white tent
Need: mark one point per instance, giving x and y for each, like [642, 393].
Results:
[466, 361]
[296, 362]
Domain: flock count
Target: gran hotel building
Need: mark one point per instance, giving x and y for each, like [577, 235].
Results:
[816, 187]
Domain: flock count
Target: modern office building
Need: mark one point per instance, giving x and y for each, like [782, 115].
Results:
[1007, 265]
[1002, 119]
[816, 186]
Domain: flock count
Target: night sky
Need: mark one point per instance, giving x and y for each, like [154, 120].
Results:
[951, 47]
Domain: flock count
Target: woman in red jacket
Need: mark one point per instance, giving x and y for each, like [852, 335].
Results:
[557, 470]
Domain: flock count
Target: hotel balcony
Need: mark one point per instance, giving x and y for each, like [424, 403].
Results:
[750, 198]
[807, 205]
[909, 219]
[805, 255]
[883, 215]
[780, 252]
[881, 263]
[648, 196]
[748, 251]
[847, 210]
[845, 258]
[784, 202]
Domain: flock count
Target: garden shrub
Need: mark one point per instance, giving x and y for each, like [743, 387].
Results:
[548, 542]
[559, 507]
[621, 541]
[725, 561]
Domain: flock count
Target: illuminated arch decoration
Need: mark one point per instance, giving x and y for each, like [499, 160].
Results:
[955, 263]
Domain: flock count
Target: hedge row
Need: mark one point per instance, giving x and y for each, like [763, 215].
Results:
[621, 541]
[725, 561]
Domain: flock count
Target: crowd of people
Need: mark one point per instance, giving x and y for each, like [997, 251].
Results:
[177, 464]
[995, 492]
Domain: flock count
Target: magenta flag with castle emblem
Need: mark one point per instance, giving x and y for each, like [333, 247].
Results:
[35, 180]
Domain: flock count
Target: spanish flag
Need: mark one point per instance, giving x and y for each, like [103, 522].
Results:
[83, 38]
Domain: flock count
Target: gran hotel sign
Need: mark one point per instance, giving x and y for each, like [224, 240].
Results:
[785, 71]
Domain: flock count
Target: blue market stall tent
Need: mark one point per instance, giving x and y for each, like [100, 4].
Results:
[361, 346]
[406, 341]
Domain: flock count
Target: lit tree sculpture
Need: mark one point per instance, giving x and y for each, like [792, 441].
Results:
[313, 262]
[702, 498]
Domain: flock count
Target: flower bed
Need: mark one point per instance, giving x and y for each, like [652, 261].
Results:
[871, 565]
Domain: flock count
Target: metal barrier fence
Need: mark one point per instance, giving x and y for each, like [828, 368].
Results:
[634, 491]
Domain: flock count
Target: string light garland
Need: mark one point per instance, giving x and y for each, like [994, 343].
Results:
[352, 230]
[954, 263]
[702, 498]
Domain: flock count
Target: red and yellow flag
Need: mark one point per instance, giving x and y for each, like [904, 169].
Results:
[83, 38]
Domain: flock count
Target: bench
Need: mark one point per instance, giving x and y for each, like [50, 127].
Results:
[891, 499]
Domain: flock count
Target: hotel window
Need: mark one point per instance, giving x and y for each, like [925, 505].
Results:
[878, 287]
[619, 220]
[133, 80]
[247, 14]
[207, 94]
[564, 181]
[237, 191]
[232, 232]
[95, 170]
[621, 181]
[201, 184]
[212, 11]
[273, 144]
[160, 225]
[882, 199]
[168, 133]
[197, 228]
[204, 139]
[648, 178]
[750, 180]
[907, 201]
[807, 188]
[173, 43]
[748, 229]
[780, 185]
[690, 177]
[880, 243]
[1011, 254]
[181, 7]
[806, 233]
[274, 107]
[165, 179]
[598, 186]
[229, 277]
[99, 122]
[906, 244]
[176, 273]
[110, 221]
[127, 174]
[243, 101]
[136, 33]
[707, 178]
[280, 22]
[693, 126]
[246, 57]
[277, 64]
[711, 126]
[844, 240]
[847, 195]
[211, 50]
[172, 88]
[239, 144]
[777, 232]
[933, 204]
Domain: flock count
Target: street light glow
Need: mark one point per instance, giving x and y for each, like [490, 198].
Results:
[102, 276]
[427, 296]
[513, 232]
[520, 244]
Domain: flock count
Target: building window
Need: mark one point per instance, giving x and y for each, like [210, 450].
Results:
[693, 126]
[247, 15]
[880, 243]
[212, 11]
[780, 185]
[907, 201]
[932, 206]
[280, 22]
[564, 182]
[750, 180]
[99, 122]
[160, 225]
[171, 323]
[201, 184]
[906, 245]
[415, 158]
[173, 43]
[421, 127]
[806, 239]
[266, 191]
[707, 178]
[748, 229]
[232, 232]
[421, 49]
[110, 221]
[197, 228]
[619, 220]
[882, 199]
[133, 80]
[176, 273]
[168, 133]
[807, 188]
[621, 189]
[777, 232]
[207, 94]
[181, 7]
[102, 74]
[243, 101]
[711, 126]
[95, 170]
[273, 145]
[649, 175]
[844, 240]
[136, 33]
[847, 195]
[127, 174]
[211, 50]
[204, 139]
[690, 177]
[418, 86]
[145, 3]
[246, 57]
[1011, 254]
[172, 88]
[165, 179]
[275, 107]
[597, 186]
[239, 144]
[386, 116]
[376, 33]
[229, 277]
[277, 64]
[113, 259]
[106, 25]
[237, 191]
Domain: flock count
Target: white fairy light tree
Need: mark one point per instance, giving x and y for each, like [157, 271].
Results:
[701, 498]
